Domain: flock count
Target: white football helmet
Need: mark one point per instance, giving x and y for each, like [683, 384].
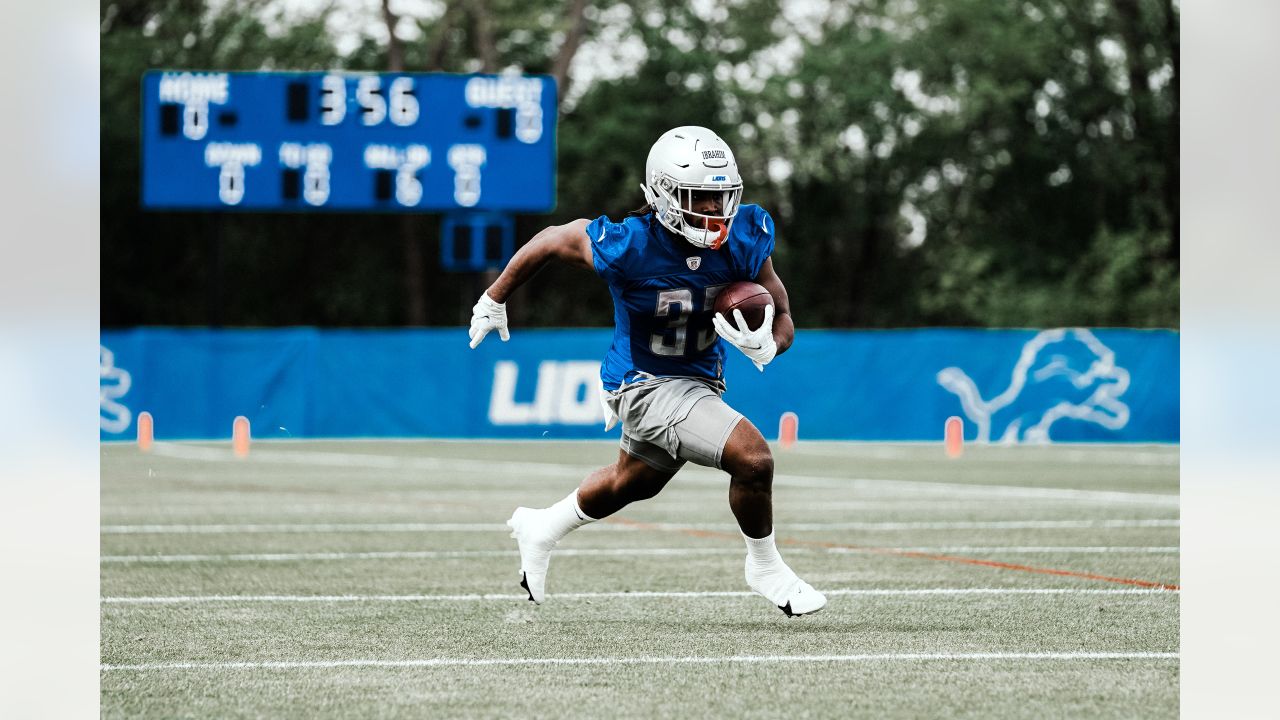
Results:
[686, 160]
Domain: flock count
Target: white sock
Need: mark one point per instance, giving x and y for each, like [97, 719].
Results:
[762, 553]
[565, 516]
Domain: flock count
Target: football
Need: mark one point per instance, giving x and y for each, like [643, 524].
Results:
[748, 297]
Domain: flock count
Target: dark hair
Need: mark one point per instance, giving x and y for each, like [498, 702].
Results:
[641, 211]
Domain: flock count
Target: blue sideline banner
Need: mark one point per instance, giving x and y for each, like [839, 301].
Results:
[1014, 386]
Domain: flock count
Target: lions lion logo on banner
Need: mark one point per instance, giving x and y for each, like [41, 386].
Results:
[1063, 373]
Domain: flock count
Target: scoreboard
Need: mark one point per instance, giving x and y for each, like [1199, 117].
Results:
[375, 142]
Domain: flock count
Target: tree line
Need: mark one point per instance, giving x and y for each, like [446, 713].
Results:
[927, 162]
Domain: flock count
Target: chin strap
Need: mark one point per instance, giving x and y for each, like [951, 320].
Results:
[651, 198]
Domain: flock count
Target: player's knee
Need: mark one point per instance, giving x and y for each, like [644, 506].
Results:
[754, 468]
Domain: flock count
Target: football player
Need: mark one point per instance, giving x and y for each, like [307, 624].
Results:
[663, 375]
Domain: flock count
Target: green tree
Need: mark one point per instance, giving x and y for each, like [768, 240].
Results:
[928, 162]
[955, 160]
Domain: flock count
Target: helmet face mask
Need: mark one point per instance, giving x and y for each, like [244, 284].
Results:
[687, 167]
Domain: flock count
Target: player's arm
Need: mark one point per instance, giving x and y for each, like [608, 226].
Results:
[784, 330]
[567, 243]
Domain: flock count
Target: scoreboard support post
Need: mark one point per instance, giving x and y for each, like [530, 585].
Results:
[477, 241]
[214, 275]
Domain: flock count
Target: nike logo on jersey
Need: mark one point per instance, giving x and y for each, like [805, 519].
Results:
[602, 234]
[764, 226]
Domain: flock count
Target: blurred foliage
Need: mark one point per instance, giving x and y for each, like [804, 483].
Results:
[928, 162]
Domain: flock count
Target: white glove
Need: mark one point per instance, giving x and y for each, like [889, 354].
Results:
[487, 315]
[756, 344]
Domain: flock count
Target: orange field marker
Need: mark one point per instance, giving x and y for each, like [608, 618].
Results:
[146, 432]
[954, 437]
[240, 436]
[788, 430]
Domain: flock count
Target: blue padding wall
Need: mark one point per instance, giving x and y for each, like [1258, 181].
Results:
[1008, 385]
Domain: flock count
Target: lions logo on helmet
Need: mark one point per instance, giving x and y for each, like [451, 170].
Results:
[686, 160]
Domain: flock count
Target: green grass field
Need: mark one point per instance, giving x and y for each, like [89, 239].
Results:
[376, 579]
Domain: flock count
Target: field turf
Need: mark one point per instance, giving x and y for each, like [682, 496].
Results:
[376, 579]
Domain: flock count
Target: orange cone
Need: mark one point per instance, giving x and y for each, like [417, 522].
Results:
[240, 436]
[788, 430]
[954, 437]
[146, 432]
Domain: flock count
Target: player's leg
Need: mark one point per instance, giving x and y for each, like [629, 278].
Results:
[749, 462]
[603, 493]
[630, 479]
[747, 459]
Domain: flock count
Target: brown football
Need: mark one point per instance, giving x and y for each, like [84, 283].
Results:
[748, 297]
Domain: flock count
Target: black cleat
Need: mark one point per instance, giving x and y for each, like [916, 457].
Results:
[786, 609]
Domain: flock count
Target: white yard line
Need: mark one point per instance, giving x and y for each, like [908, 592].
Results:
[384, 462]
[412, 555]
[877, 592]
[682, 503]
[265, 506]
[1058, 454]
[601, 552]
[992, 524]
[229, 528]
[983, 525]
[977, 490]
[736, 659]
[527, 468]
[1025, 549]
[236, 529]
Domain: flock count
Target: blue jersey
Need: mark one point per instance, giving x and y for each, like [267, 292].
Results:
[664, 291]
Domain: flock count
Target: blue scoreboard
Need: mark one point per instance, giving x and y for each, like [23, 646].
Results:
[389, 142]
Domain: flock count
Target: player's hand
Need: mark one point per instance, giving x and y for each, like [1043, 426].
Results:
[488, 315]
[756, 344]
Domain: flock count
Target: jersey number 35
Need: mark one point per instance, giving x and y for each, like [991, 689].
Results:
[672, 340]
